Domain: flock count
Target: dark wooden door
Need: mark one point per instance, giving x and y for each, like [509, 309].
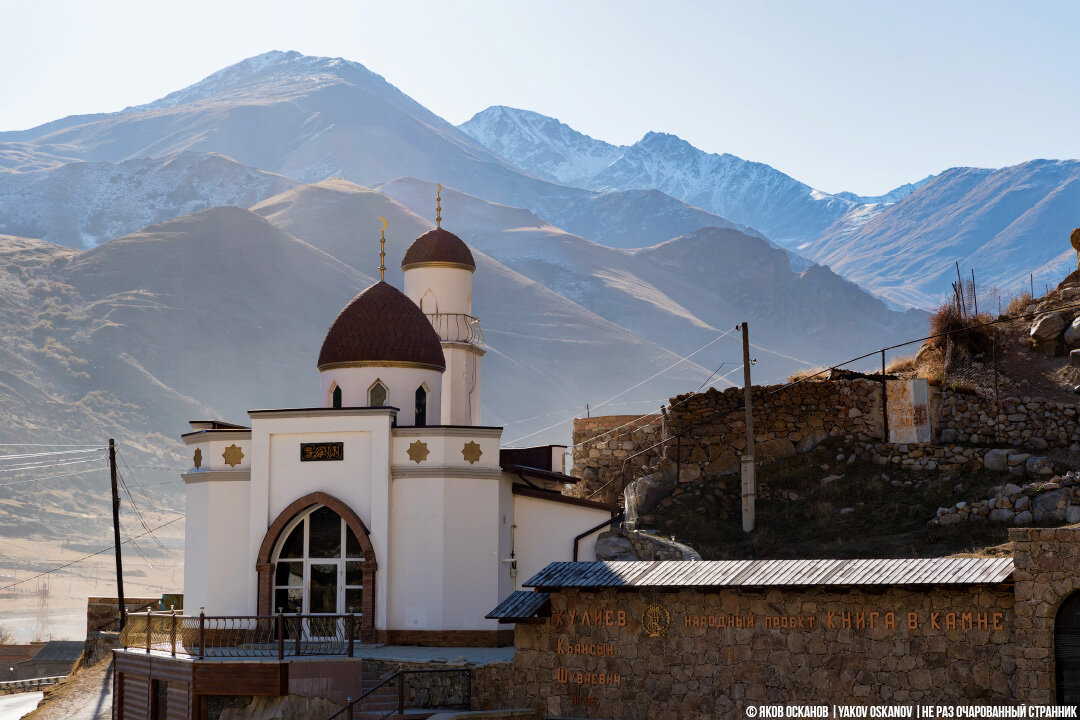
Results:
[1067, 651]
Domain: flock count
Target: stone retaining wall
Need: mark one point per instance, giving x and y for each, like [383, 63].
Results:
[603, 444]
[1028, 422]
[710, 653]
[1047, 501]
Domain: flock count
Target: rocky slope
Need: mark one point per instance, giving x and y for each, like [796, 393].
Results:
[82, 204]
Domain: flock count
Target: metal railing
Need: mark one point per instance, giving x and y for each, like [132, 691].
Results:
[457, 327]
[241, 636]
[394, 694]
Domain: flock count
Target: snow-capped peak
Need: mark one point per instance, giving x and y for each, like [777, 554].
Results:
[280, 63]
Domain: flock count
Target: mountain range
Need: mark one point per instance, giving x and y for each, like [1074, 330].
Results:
[1004, 224]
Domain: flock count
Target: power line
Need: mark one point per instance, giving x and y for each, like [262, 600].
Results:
[24, 456]
[86, 557]
[632, 387]
[947, 333]
[52, 477]
[60, 462]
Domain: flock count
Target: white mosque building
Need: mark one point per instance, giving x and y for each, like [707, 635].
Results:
[388, 497]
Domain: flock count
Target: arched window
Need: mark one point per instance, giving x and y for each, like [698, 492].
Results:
[1067, 651]
[421, 407]
[429, 303]
[335, 397]
[377, 394]
[318, 566]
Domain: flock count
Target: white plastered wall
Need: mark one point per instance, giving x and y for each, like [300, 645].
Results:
[401, 384]
[442, 289]
[445, 544]
[360, 480]
[461, 385]
[216, 576]
[544, 532]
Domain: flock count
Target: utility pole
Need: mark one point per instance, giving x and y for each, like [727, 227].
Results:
[116, 534]
[749, 489]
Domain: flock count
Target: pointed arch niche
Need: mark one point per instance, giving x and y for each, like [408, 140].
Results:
[265, 563]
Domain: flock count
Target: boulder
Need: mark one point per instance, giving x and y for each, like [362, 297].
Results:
[1047, 327]
[1039, 466]
[1010, 490]
[1022, 503]
[1022, 518]
[612, 546]
[645, 493]
[948, 435]
[1072, 514]
[1074, 357]
[808, 443]
[1050, 507]
[1072, 334]
[1001, 515]
[996, 460]
[772, 450]
[949, 519]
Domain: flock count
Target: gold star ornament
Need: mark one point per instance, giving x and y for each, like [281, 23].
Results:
[418, 452]
[471, 451]
[198, 458]
[233, 455]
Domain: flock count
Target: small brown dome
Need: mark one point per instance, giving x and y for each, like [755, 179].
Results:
[381, 326]
[438, 247]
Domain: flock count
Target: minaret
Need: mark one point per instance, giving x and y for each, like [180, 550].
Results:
[438, 270]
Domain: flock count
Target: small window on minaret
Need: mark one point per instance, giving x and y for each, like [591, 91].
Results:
[336, 397]
[377, 395]
[421, 407]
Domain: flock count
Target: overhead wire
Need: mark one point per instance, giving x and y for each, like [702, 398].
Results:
[681, 360]
[87, 556]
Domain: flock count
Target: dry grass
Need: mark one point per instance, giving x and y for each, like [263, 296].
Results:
[964, 331]
[1018, 304]
[807, 372]
[903, 364]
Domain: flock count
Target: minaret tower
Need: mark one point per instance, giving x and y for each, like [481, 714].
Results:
[438, 270]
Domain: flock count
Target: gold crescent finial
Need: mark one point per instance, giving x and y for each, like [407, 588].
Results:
[438, 207]
[382, 250]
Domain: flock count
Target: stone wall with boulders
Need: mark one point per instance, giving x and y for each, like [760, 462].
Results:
[628, 544]
[1044, 501]
[1027, 422]
[678, 655]
[603, 446]
[1046, 562]
[787, 419]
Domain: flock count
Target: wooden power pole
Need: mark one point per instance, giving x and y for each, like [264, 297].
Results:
[749, 485]
[116, 534]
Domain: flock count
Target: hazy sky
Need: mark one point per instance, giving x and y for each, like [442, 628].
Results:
[861, 95]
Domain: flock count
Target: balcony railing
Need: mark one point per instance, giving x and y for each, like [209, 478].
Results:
[241, 636]
[457, 327]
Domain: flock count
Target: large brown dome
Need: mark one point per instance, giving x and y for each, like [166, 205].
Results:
[438, 247]
[381, 326]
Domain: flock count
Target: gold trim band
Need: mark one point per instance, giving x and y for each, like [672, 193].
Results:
[381, 363]
[439, 263]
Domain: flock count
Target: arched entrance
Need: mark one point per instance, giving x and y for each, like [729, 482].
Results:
[1067, 651]
[317, 558]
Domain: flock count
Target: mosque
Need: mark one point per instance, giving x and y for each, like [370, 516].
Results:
[388, 498]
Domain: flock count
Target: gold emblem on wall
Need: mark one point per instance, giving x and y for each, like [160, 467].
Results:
[655, 621]
[418, 452]
[198, 458]
[233, 455]
[471, 452]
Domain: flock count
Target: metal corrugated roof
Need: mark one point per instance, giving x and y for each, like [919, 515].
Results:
[765, 573]
[521, 605]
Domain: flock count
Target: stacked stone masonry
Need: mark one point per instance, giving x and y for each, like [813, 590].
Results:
[710, 429]
[1046, 501]
[726, 649]
[606, 446]
[675, 654]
